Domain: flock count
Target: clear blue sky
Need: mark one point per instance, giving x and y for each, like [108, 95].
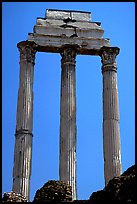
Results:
[118, 21]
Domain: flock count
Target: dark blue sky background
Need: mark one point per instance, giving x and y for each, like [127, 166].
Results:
[118, 21]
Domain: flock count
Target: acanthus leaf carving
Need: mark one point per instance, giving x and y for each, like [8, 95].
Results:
[27, 51]
[68, 55]
[108, 57]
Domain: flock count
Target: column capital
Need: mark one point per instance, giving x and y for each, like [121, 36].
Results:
[68, 53]
[108, 56]
[27, 51]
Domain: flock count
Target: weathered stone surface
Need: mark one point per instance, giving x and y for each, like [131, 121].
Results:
[24, 120]
[119, 189]
[61, 27]
[54, 191]
[67, 167]
[69, 31]
[111, 129]
[79, 24]
[58, 30]
[65, 14]
[54, 43]
[13, 197]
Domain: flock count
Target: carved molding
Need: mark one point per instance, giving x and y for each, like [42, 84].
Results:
[108, 58]
[27, 51]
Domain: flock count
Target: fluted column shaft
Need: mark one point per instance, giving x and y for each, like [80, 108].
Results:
[67, 168]
[111, 128]
[24, 121]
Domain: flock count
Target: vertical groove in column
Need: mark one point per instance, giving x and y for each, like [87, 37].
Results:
[24, 121]
[111, 133]
[68, 119]
[111, 114]
[22, 164]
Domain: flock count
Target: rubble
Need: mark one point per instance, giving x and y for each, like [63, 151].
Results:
[13, 197]
[118, 189]
[54, 191]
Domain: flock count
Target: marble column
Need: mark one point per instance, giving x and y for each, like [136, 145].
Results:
[111, 128]
[67, 168]
[24, 120]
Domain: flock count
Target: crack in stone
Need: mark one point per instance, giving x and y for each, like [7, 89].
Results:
[69, 20]
[68, 26]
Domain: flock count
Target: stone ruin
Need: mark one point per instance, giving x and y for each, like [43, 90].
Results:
[68, 33]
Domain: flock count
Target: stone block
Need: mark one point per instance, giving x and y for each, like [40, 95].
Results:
[69, 31]
[61, 27]
[80, 16]
[60, 22]
[56, 14]
[65, 14]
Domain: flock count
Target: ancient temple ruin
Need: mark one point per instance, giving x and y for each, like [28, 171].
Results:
[68, 33]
